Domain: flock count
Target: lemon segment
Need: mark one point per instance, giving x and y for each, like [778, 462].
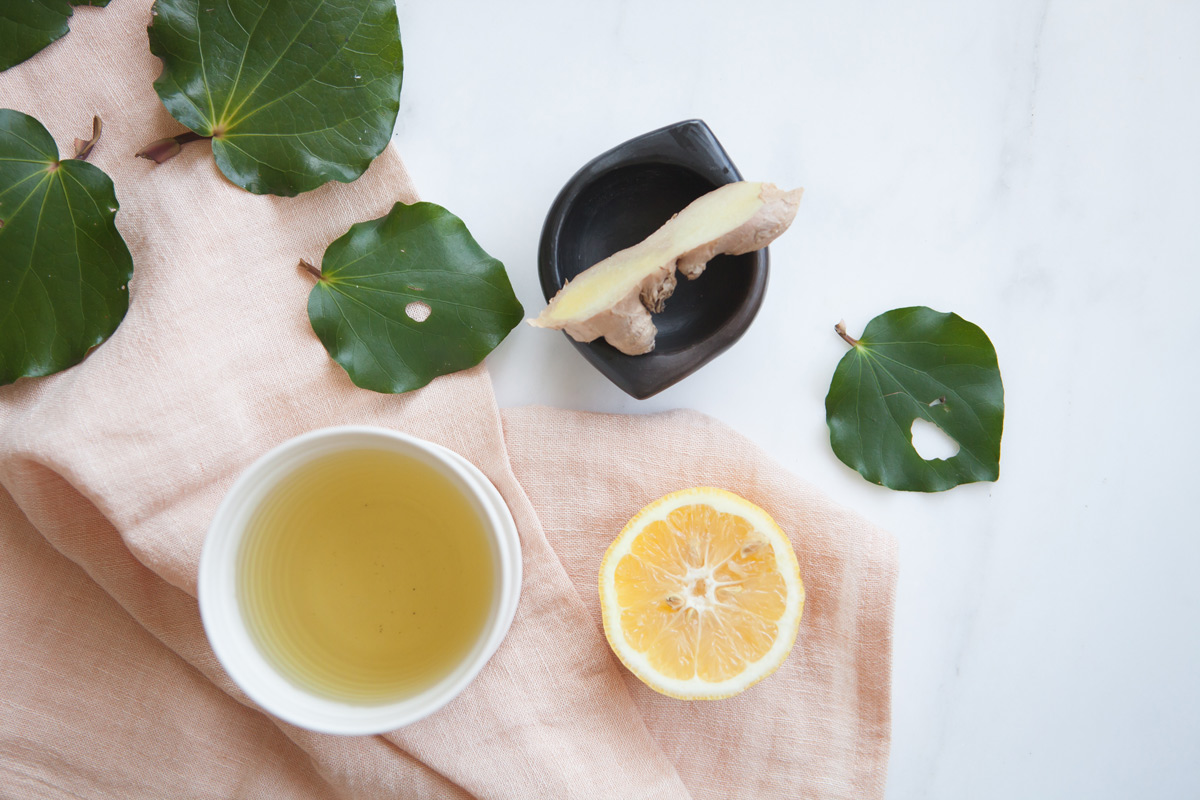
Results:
[701, 594]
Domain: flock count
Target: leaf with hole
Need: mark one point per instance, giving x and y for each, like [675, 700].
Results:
[293, 94]
[64, 268]
[29, 26]
[410, 296]
[909, 364]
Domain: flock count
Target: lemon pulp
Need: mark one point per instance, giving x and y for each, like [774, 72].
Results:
[701, 594]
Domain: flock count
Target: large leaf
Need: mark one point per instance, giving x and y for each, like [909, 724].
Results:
[64, 268]
[917, 363]
[410, 296]
[27, 26]
[294, 93]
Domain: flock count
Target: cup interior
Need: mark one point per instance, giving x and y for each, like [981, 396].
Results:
[226, 624]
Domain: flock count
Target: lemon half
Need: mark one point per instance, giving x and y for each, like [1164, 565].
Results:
[701, 594]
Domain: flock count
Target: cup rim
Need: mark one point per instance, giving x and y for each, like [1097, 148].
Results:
[226, 628]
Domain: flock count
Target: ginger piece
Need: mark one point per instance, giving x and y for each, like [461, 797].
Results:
[614, 298]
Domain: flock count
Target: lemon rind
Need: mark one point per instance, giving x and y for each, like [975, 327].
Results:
[788, 624]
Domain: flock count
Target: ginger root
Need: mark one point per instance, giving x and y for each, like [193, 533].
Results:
[614, 298]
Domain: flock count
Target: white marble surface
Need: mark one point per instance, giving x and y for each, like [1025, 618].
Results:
[1031, 165]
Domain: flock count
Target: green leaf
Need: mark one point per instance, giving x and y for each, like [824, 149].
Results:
[376, 277]
[64, 268]
[293, 94]
[28, 26]
[910, 363]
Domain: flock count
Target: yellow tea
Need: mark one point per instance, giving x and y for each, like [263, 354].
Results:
[366, 576]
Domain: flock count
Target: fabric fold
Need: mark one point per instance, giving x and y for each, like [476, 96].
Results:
[110, 472]
[820, 726]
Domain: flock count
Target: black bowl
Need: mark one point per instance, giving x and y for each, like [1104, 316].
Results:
[620, 198]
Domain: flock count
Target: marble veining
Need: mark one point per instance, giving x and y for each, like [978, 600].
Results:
[1031, 165]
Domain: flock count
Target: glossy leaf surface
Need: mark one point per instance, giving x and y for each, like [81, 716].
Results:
[64, 268]
[28, 26]
[293, 93]
[408, 297]
[918, 363]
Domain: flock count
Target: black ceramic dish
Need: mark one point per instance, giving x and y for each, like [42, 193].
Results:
[620, 198]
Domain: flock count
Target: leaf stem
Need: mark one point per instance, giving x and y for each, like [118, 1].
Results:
[841, 331]
[316, 273]
[83, 149]
[166, 149]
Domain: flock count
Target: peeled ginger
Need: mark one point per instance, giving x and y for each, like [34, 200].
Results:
[615, 297]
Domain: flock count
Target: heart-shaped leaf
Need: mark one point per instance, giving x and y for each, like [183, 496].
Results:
[917, 363]
[28, 26]
[408, 297]
[293, 94]
[64, 268]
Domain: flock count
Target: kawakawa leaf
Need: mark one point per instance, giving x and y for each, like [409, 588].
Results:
[910, 363]
[408, 297]
[64, 268]
[293, 94]
[28, 26]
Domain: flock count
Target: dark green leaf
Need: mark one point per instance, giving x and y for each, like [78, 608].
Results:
[64, 268]
[28, 26]
[294, 93]
[910, 363]
[374, 280]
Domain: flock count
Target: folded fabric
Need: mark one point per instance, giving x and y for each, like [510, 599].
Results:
[111, 471]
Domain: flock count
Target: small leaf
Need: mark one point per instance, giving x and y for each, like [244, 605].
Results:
[408, 297]
[293, 94]
[64, 268]
[28, 26]
[917, 363]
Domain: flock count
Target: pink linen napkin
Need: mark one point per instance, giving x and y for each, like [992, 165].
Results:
[110, 472]
[820, 726]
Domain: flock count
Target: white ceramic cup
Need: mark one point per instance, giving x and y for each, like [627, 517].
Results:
[226, 627]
